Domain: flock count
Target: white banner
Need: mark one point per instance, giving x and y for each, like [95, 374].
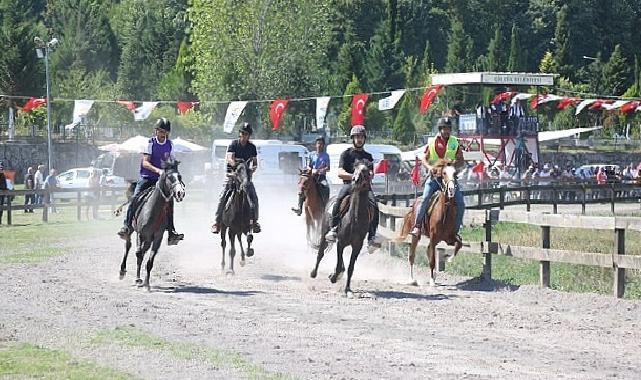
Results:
[321, 110]
[521, 96]
[143, 112]
[81, 108]
[390, 102]
[233, 113]
[584, 104]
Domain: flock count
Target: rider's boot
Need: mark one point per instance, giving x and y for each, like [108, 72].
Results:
[173, 238]
[332, 234]
[124, 232]
[301, 199]
[215, 228]
[416, 231]
[256, 227]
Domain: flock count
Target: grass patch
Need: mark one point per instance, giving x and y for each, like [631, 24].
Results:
[139, 339]
[26, 360]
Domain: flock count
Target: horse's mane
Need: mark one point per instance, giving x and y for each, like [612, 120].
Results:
[171, 165]
[440, 164]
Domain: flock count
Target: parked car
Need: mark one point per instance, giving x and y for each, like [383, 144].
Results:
[79, 178]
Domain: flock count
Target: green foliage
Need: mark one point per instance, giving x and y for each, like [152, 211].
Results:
[494, 61]
[547, 63]
[562, 39]
[345, 115]
[457, 45]
[615, 73]
[383, 68]
[403, 126]
[515, 63]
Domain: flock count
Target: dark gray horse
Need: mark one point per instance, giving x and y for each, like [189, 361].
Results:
[150, 221]
[353, 227]
[237, 215]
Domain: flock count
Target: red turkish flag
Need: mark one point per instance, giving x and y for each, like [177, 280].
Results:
[428, 97]
[358, 108]
[381, 167]
[535, 100]
[416, 172]
[276, 112]
[33, 103]
[184, 106]
[503, 97]
[630, 106]
[597, 104]
[127, 103]
[565, 102]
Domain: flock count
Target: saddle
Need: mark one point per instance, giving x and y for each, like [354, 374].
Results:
[344, 208]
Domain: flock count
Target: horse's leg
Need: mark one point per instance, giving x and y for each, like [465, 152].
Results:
[250, 240]
[232, 251]
[140, 254]
[150, 262]
[319, 257]
[242, 250]
[340, 266]
[411, 258]
[457, 247]
[356, 249]
[223, 244]
[431, 256]
[123, 265]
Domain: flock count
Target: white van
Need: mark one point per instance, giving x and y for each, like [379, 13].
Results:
[378, 152]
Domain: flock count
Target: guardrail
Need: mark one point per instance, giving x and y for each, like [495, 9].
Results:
[617, 260]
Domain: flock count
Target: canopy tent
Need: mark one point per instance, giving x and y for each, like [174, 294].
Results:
[550, 135]
[138, 144]
[184, 146]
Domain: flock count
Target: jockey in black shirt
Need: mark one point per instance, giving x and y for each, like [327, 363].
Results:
[345, 172]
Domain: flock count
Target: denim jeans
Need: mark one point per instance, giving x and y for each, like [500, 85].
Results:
[432, 185]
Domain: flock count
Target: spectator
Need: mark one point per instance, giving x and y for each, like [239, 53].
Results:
[51, 184]
[601, 177]
[5, 184]
[39, 182]
[93, 197]
[29, 199]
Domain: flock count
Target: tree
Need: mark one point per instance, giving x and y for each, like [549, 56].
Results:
[345, 115]
[404, 129]
[514, 63]
[457, 44]
[547, 63]
[615, 73]
[562, 38]
[383, 68]
[494, 60]
[347, 63]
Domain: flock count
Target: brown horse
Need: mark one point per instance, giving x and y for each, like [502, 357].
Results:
[314, 205]
[441, 223]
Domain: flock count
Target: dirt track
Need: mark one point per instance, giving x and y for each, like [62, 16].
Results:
[277, 318]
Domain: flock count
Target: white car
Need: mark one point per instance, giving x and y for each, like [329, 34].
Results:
[79, 178]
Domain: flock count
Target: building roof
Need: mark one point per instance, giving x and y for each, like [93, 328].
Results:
[492, 78]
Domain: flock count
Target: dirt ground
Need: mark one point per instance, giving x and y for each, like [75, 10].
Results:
[279, 322]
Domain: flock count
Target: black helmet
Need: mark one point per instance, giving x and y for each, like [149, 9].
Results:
[246, 128]
[321, 139]
[444, 122]
[163, 124]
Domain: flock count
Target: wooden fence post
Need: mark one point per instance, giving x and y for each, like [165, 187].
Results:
[8, 209]
[555, 201]
[79, 207]
[544, 266]
[45, 208]
[612, 198]
[619, 273]
[382, 219]
[487, 255]
[392, 223]
[583, 199]
[501, 198]
[527, 191]
[440, 259]
[479, 197]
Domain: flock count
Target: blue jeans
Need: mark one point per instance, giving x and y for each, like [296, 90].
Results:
[432, 185]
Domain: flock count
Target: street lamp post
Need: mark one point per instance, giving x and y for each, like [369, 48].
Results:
[42, 50]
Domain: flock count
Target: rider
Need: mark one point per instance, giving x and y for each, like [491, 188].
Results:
[245, 150]
[444, 146]
[319, 165]
[345, 172]
[159, 150]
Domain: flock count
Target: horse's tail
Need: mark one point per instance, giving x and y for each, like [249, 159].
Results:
[408, 222]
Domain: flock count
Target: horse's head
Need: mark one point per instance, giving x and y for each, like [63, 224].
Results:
[449, 180]
[241, 174]
[362, 175]
[306, 180]
[171, 182]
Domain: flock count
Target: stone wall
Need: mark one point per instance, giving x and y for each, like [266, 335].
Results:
[586, 158]
[19, 156]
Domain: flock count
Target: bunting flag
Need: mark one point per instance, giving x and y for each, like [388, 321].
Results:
[610, 105]
[358, 109]
[520, 97]
[143, 112]
[503, 97]
[389, 102]
[81, 108]
[596, 104]
[630, 106]
[545, 98]
[322, 103]
[184, 106]
[276, 112]
[33, 103]
[428, 97]
[565, 102]
[382, 167]
[127, 103]
[233, 113]
[583, 104]
[416, 172]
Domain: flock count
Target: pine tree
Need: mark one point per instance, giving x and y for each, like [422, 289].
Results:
[345, 116]
[562, 38]
[615, 73]
[514, 63]
[348, 62]
[494, 58]
[384, 61]
[456, 48]
[547, 63]
[404, 129]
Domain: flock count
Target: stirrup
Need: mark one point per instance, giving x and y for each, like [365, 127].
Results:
[215, 228]
[416, 231]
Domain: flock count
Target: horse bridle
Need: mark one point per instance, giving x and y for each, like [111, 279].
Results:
[172, 192]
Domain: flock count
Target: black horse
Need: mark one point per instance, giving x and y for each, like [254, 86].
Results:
[236, 216]
[150, 220]
[353, 227]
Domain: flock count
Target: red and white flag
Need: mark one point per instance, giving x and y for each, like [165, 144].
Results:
[503, 97]
[428, 97]
[33, 103]
[358, 109]
[184, 106]
[416, 172]
[276, 112]
[630, 106]
[127, 103]
[565, 102]
[381, 167]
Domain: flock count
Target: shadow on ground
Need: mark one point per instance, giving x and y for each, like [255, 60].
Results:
[478, 284]
[276, 278]
[391, 294]
[195, 289]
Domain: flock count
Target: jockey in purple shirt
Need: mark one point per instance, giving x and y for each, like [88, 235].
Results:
[159, 150]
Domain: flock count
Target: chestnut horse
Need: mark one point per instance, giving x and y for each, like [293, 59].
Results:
[441, 223]
[314, 206]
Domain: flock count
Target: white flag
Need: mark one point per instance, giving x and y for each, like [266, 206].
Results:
[321, 110]
[584, 104]
[143, 112]
[233, 113]
[81, 108]
[390, 102]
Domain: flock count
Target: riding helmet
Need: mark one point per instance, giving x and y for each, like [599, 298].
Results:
[444, 122]
[358, 130]
[321, 139]
[246, 128]
[163, 124]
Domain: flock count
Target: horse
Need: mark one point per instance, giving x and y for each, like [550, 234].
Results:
[150, 221]
[313, 206]
[353, 228]
[440, 225]
[237, 215]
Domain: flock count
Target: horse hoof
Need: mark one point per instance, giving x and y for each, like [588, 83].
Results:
[122, 274]
[250, 252]
[242, 263]
[250, 238]
[333, 278]
[432, 282]
[139, 282]
[230, 273]
[313, 274]
[349, 294]
[412, 282]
